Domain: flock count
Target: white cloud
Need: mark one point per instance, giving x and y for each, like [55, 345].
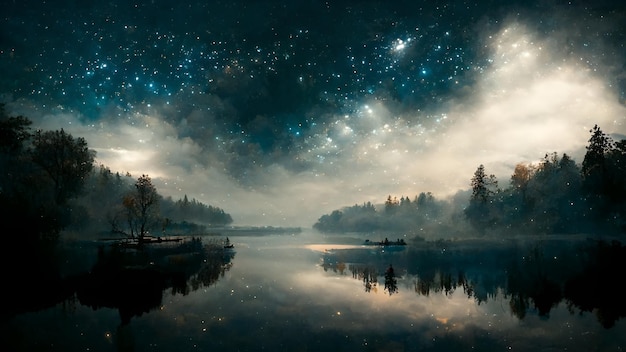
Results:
[532, 100]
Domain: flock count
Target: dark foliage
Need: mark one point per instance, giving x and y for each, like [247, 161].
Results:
[534, 276]
[130, 281]
[184, 211]
[555, 195]
[394, 215]
[48, 184]
[40, 173]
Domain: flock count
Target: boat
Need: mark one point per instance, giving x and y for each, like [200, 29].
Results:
[385, 243]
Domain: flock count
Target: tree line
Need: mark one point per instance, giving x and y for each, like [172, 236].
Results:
[395, 214]
[555, 195]
[133, 207]
[49, 183]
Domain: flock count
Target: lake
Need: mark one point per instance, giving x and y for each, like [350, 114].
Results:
[310, 292]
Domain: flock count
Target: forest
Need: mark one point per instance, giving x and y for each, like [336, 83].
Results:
[553, 196]
[50, 185]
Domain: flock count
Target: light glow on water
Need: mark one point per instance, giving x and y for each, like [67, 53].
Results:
[277, 294]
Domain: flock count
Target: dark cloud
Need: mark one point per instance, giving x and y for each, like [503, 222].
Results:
[273, 109]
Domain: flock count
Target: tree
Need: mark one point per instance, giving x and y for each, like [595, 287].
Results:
[520, 178]
[424, 199]
[483, 186]
[146, 201]
[66, 160]
[553, 192]
[391, 283]
[329, 223]
[140, 209]
[14, 132]
[594, 164]
[617, 171]
[480, 211]
[427, 207]
[391, 204]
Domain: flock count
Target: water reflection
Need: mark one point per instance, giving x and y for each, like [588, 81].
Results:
[533, 277]
[133, 281]
[446, 296]
[391, 284]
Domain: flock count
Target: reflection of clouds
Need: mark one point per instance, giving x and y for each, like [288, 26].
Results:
[298, 286]
[380, 312]
[275, 285]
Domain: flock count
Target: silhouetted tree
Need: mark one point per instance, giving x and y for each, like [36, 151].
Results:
[329, 223]
[553, 193]
[427, 207]
[616, 174]
[480, 209]
[617, 171]
[483, 186]
[14, 132]
[594, 168]
[193, 210]
[391, 283]
[140, 210]
[66, 160]
[146, 201]
[40, 173]
[522, 175]
[391, 204]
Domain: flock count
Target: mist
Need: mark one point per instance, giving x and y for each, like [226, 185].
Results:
[536, 96]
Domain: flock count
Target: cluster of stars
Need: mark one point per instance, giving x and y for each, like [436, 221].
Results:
[274, 75]
[120, 56]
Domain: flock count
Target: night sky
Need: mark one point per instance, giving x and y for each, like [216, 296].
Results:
[281, 111]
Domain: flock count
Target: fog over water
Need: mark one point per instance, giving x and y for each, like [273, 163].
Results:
[313, 175]
[276, 294]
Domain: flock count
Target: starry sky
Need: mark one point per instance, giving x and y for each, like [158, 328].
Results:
[282, 111]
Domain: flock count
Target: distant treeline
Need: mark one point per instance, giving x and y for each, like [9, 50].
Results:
[185, 210]
[49, 184]
[395, 214]
[555, 195]
[102, 201]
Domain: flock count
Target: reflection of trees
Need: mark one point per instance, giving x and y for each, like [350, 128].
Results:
[525, 284]
[533, 277]
[217, 263]
[133, 281]
[529, 281]
[442, 282]
[368, 274]
[133, 291]
[590, 291]
[339, 267]
[391, 283]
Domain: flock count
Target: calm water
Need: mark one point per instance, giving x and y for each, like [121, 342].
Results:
[307, 292]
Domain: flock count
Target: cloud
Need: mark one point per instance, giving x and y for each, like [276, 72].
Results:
[533, 98]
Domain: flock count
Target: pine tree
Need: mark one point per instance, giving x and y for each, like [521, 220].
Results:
[594, 163]
[483, 186]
